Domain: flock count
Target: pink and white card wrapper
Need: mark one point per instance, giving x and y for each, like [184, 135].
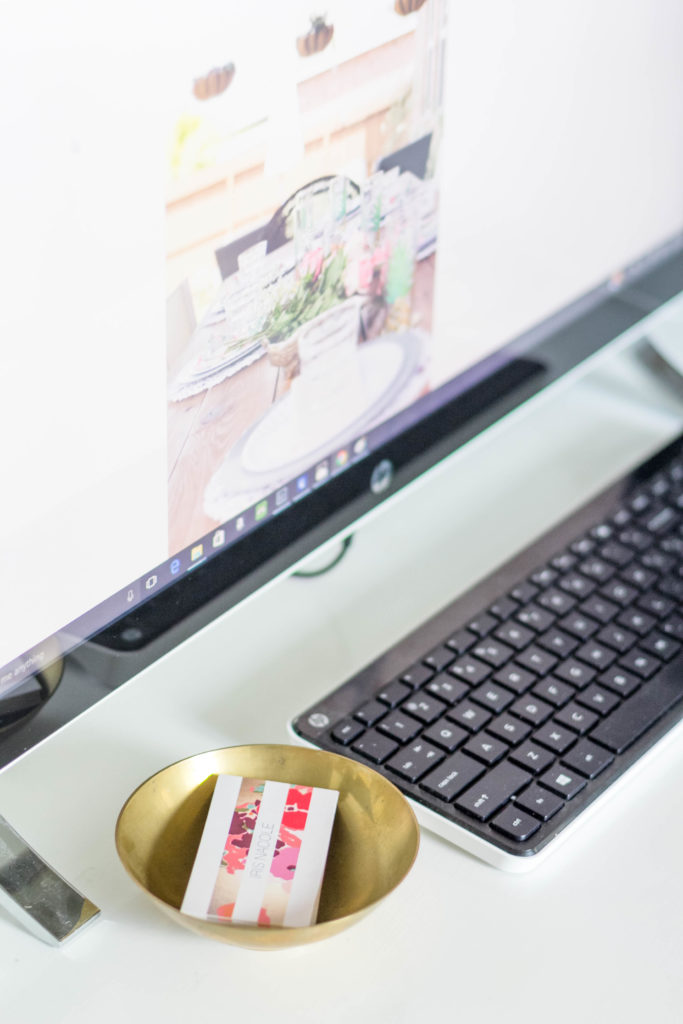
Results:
[262, 854]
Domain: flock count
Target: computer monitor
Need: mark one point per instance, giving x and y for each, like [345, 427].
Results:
[261, 273]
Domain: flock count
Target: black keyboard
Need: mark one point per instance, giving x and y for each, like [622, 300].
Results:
[512, 710]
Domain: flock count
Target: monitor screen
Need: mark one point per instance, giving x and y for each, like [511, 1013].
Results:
[262, 270]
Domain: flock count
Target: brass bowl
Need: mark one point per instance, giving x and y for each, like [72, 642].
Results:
[374, 841]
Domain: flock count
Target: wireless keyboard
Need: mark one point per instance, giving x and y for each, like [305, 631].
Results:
[506, 716]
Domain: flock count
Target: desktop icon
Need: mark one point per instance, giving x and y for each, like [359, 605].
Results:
[130, 596]
[261, 510]
[196, 552]
[175, 567]
[239, 524]
[322, 471]
[341, 458]
[282, 496]
[151, 582]
[302, 483]
[218, 539]
[360, 446]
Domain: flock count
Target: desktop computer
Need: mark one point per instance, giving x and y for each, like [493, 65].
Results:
[256, 293]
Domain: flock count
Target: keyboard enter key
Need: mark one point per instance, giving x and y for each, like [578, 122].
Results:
[484, 798]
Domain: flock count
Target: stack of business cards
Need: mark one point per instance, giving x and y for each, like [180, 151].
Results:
[262, 854]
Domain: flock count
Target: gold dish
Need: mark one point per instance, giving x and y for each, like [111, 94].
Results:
[374, 840]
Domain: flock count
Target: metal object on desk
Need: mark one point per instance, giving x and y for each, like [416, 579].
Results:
[33, 892]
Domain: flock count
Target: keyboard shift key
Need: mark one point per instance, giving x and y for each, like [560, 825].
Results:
[452, 776]
[484, 798]
[514, 824]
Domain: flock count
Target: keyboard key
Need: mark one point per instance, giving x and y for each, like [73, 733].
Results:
[469, 715]
[535, 618]
[657, 560]
[461, 641]
[576, 584]
[575, 672]
[393, 694]
[484, 798]
[470, 669]
[597, 569]
[597, 699]
[347, 731]
[532, 710]
[445, 687]
[577, 718]
[642, 664]
[555, 737]
[557, 601]
[599, 608]
[485, 748]
[638, 576]
[635, 538]
[515, 678]
[596, 654]
[503, 608]
[554, 691]
[563, 782]
[673, 626]
[622, 593]
[557, 642]
[588, 759]
[511, 730]
[636, 714]
[483, 624]
[375, 747]
[417, 676]
[452, 776]
[579, 625]
[524, 592]
[536, 660]
[656, 604]
[494, 698]
[515, 635]
[616, 637]
[514, 824]
[370, 712]
[616, 553]
[414, 761]
[638, 621]
[399, 726]
[543, 577]
[540, 802]
[424, 707]
[446, 735]
[532, 758]
[493, 652]
[439, 658]
[620, 681]
[662, 647]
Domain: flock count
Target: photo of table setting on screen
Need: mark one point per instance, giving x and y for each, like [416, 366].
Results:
[300, 272]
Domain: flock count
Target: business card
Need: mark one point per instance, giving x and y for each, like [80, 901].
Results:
[262, 853]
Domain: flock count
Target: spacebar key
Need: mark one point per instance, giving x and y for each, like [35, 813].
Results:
[635, 716]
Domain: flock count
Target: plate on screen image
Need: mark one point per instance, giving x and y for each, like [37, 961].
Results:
[284, 442]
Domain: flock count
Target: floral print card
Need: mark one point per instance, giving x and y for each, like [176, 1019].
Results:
[262, 854]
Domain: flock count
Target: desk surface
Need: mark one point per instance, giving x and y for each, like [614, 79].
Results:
[594, 933]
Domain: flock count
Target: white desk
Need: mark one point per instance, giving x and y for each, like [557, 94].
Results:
[592, 934]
